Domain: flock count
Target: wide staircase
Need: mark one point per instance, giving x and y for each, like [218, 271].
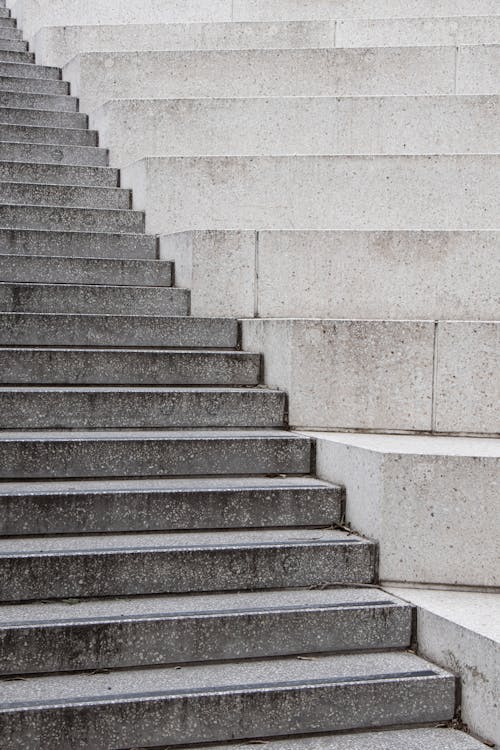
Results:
[171, 571]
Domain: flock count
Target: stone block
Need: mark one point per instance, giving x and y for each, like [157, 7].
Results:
[430, 502]
[133, 128]
[316, 192]
[477, 69]
[356, 374]
[460, 631]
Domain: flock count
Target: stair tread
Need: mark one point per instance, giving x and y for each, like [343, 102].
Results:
[164, 541]
[233, 676]
[30, 614]
[74, 435]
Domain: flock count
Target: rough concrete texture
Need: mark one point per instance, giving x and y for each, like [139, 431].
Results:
[167, 504]
[101, 245]
[431, 502]
[316, 192]
[461, 631]
[132, 128]
[38, 134]
[64, 195]
[71, 219]
[338, 274]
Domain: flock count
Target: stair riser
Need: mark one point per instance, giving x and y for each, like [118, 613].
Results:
[58, 174]
[38, 101]
[70, 244]
[19, 268]
[53, 576]
[33, 85]
[66, 330]
[21, 56]
[5, 20]
[43, 154]
[40, 72]
[84, 367]
[168, 511]
[10, 32]
[213, 637]
[71, 219]
[42, 118]
[13, 45]
[148, 410]
[38, 459]
[64, 195]
[206, 716]
[52, 136]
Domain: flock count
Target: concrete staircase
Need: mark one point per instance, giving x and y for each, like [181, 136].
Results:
[171, 571]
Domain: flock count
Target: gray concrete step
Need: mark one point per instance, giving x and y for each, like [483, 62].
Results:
[95, 245]
[153, 453]
[91, 408]
[33, 85]
[67, 270]
[54, 136]
[48, 154]
[162, 630]
[17, 116]
[57, 103]
[86, 298]
[166, 505]
[5, 19]
[71, 219]
[20, 56]
[10, 32]
[402, 739]
[64, 195]
[57, 174]
[42, 329]
[129, 366]
[14, 45]
[181, 562]
[261, 698]
[27, 70]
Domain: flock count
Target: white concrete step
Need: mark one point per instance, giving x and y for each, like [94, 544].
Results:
[297, 125]
[35, 14]
[338, 274]
[381, 71]
[57, 45]
[316, 192]
[260, 698]
[385, 376]
[213, 627]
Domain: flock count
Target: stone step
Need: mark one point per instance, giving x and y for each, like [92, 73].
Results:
[57, 103]
[299, 125]
[316, 192]
[91, 408]
[4, 12]
[43, 329]
[34, 85]
[181, 562]
[131, 366]
[402, 739]
[106, 634]
[30, 194]
[379, 71]
[10, 32]
[48, 154]
[86, 298]
[23, 71]
[48, 135]
[57, 174]
[11, 55]
[245, 699]
[67, 270]
[385, 275]
[71, 219]
[95, 245]
[5, 20]
[70, 454]
[166, 505]
[13, 45]
[17, 117]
